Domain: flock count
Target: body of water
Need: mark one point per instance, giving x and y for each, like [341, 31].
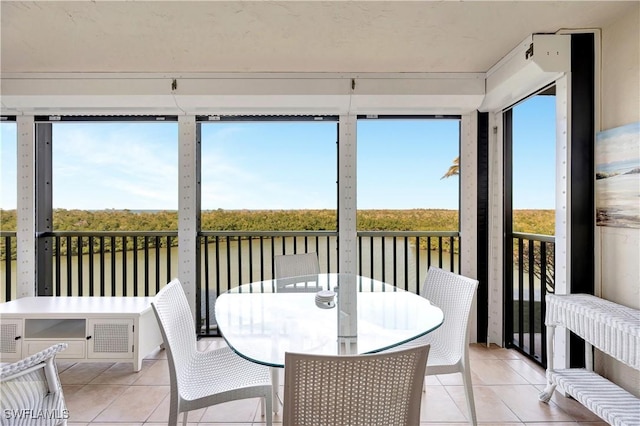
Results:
[237, 262]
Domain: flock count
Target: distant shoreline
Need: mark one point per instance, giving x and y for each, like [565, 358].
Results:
[534, 221]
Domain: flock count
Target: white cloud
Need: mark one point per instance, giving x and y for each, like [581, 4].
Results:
[96, 167]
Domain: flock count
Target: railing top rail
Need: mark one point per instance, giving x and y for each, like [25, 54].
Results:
[108, 234]
[268, 233]
[535, 237]
[408, 233]
[263, 234]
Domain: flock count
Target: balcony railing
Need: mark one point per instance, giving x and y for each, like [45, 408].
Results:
[532, 276]
[99, 263]
[231, 258]
[139, 263]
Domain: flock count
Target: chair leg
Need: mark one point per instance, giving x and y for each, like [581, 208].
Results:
[275, 384]
[268, 409]
[173, 415]
[184, 418]
[468, 390]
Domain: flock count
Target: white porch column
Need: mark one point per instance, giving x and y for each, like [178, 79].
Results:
[496, 231]
[26, 207]
[347, 239]
[188, 207]
[347, 236]
[469, 206]
[563, 211]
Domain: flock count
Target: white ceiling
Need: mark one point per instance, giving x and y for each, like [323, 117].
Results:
[275, 36]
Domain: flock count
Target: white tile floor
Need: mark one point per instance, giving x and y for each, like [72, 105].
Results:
[506, 387]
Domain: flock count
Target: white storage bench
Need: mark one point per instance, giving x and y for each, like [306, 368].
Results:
[117, 329]
[615, 330]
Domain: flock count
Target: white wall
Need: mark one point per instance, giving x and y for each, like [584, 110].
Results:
[620, 247]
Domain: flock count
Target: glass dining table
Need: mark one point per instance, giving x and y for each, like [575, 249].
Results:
[329, 314]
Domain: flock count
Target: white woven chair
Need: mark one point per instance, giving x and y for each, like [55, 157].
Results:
[376, 389]
[200, 379]
[294, 265]
[31, 393]
[450, 342]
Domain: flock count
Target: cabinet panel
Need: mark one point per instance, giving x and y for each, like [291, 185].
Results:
[110, 338]
[10, 340]
[76, 349]
[56, 328]
[94, 328]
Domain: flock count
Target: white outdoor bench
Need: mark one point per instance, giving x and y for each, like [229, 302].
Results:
[615, 330]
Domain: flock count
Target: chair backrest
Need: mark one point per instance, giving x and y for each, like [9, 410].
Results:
[294, 265]
[33, 384]
[176, 323]
[453, 294]
[377, 389]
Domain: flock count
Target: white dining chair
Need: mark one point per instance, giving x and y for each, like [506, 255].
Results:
[374, 389]
[449, 353]
[32, 386]
[294, 265]
[201, 379]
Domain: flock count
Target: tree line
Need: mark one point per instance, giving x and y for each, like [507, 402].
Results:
[527, 221]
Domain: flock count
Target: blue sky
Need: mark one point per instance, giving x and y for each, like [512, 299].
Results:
[276, 165]
[534, 154]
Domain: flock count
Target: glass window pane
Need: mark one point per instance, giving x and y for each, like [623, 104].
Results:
[115, 166]
[534, 174]
[402, 166]
[8, 171]
[8, 204]
[270, 166]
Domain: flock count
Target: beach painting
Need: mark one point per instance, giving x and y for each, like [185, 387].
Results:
[618, 177]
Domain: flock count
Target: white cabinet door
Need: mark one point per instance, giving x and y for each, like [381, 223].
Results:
[10, 340]
[110, 338]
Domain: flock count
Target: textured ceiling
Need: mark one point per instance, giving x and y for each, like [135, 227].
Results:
[266, 36]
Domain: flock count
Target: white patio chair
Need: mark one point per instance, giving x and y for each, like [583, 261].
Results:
[450, 342]
[31, 387]
[294, 265]
[376, 389]
[201, 379]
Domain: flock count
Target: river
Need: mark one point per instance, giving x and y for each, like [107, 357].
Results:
[235, 265]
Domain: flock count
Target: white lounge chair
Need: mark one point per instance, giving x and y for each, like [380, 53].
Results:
[31, 393]
[450, 342]
[294, 265]
[377, 389]
[200, 379]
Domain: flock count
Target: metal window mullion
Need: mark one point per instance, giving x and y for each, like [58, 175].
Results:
[43, 208]
[113, 266]
[157, 265]
[124, 266]
[7, 268]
